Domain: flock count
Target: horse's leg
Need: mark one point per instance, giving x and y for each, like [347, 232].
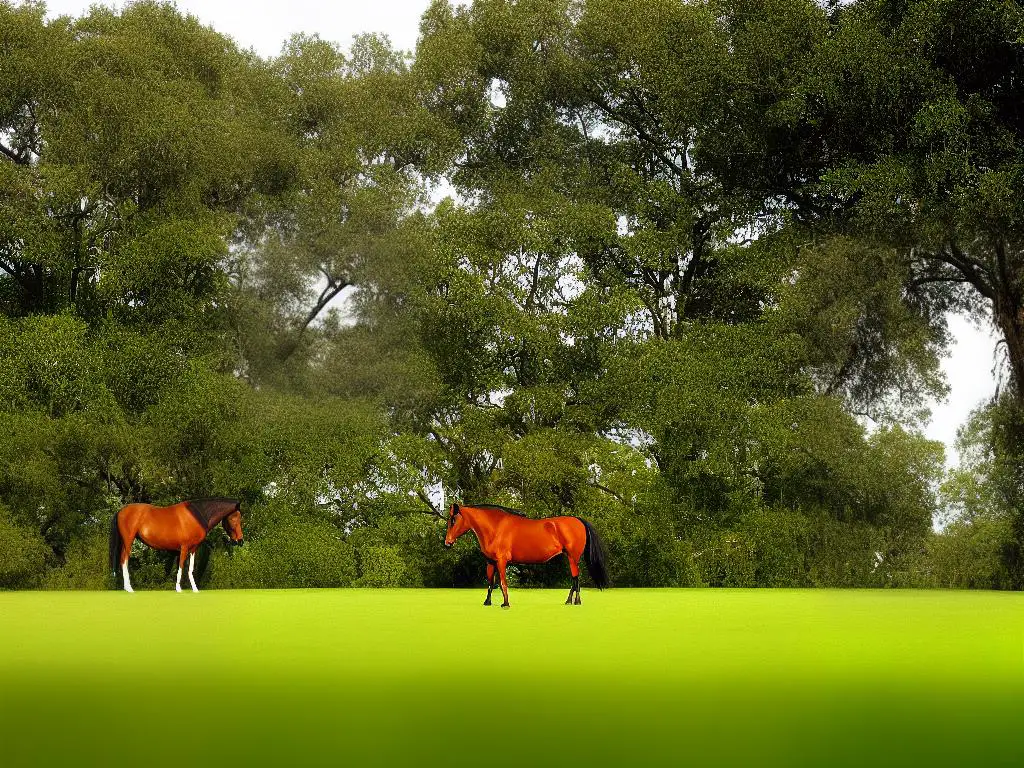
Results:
[191, 566]
[181, 564]
[124, 575]
[572, 586]
[126, 550]
[574, 569]
[490, 582]
[504, 581]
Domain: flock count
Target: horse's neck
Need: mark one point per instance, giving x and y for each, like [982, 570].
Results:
[483, 523]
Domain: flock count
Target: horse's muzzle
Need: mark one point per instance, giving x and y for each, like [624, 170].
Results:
[238, 543]
[448, 545]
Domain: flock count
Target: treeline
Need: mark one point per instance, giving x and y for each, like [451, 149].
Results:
[695, 249]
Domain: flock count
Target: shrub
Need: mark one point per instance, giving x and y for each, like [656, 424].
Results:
[23, 555]
[85, 566]
[644, 551]
[970, 554]
[726, 559]
[295, 552]
[381, 566]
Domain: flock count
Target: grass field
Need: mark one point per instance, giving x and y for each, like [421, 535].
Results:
[431, 677]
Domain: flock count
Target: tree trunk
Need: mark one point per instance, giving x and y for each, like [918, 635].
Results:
[1009, 316]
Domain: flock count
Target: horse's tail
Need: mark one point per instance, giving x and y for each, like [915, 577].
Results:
[115, 545]
[597, 561]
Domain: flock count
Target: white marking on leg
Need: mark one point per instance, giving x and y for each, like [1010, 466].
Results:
[177, 584]
[191, 565]
[127, 581]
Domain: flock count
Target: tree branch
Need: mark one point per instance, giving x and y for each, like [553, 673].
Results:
[967, 267]
[426, 500]
[334, 287]
[9, 270]
[641, 133]
[533, 288]
[609, 491]
[14, 156]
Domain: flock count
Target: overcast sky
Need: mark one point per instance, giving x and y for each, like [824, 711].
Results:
[265, 25]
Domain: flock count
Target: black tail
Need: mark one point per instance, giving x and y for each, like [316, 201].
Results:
[597, 561]
[115, 547]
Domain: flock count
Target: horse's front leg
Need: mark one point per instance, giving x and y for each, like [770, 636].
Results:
[504, 581]
[490, 582]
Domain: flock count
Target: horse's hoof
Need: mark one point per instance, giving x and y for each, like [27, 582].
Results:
[505, 605]
[487, 602]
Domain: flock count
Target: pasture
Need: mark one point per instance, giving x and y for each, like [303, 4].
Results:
[431, 677]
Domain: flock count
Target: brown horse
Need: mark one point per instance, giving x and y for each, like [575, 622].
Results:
[507, 536]
[179, 528]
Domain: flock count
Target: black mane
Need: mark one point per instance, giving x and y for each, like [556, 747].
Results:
[509, 510]
[211, 511]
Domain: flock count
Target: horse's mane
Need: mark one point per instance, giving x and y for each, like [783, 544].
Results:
[212, 510]
[509, 510]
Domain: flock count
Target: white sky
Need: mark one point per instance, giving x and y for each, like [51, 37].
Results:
[265, 24]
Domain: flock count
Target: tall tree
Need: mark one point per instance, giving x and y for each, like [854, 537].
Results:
[905, 134]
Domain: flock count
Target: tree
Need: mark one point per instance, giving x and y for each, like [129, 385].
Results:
[903, 133]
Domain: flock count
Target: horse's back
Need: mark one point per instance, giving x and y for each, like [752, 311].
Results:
[161, 527]
[134, 511]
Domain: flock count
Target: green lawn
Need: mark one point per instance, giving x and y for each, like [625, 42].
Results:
[431, 677]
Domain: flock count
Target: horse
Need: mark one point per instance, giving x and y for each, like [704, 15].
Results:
[507, 536]
[181, 527]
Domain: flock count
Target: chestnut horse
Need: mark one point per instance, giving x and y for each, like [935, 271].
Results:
[179, 528]
[508, 536]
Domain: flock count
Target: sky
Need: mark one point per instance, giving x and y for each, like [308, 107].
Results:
[264, 25]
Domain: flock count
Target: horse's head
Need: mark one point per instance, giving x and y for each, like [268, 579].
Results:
[233, 526]
[457, 525]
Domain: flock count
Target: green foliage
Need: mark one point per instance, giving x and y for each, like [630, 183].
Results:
[971, 554]
[646, 553]
[296, 551]
[381, 567]
[23, 554]
[85, 566]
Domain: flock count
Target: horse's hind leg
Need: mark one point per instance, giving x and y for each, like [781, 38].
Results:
[127, 538]
[181, 564]
[574, 569]
[124, 573]
[572, 586]
[504, 582]
[490, 582]
[191, 566]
